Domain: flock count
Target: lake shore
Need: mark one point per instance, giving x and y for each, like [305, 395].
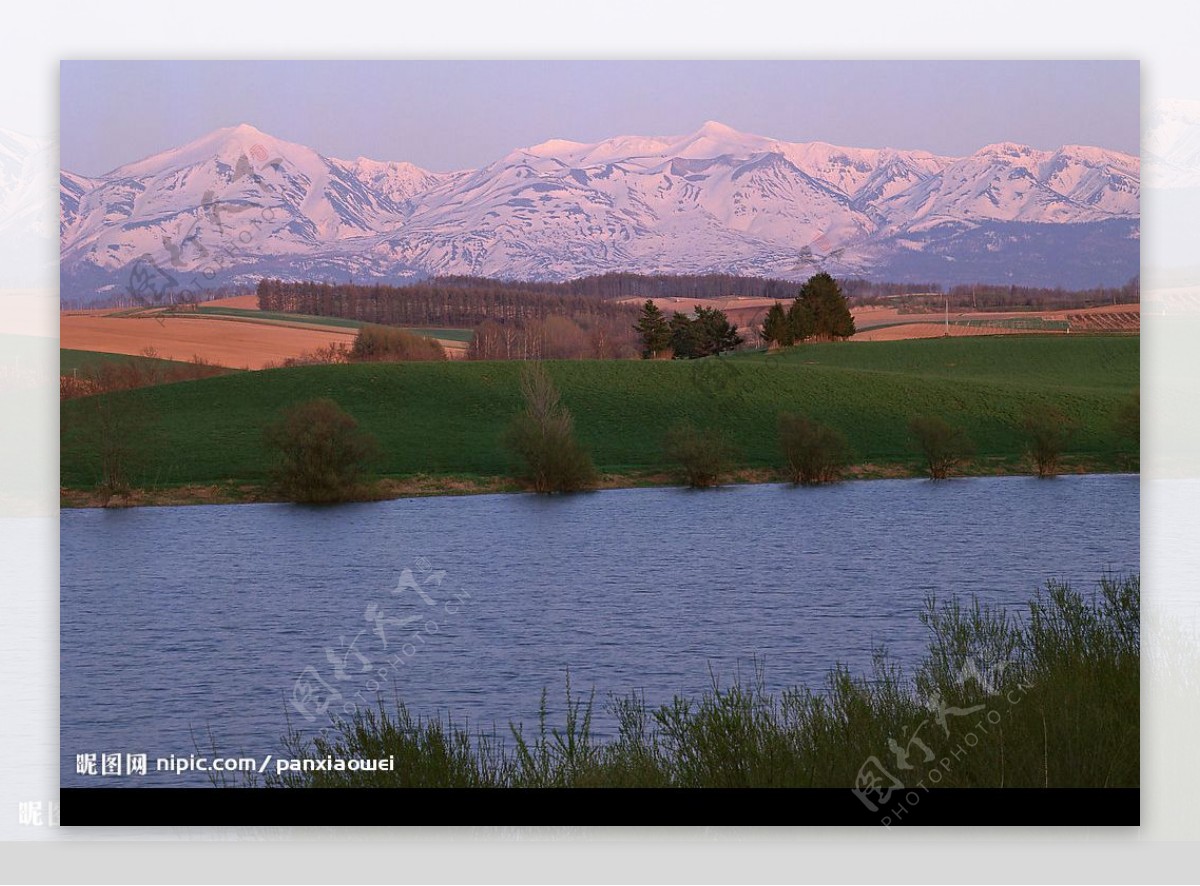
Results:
[426, 485]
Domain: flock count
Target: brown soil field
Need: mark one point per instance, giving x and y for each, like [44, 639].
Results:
[225, 343]
[934, 330]
[257, 344]
[1097, 320]
[242, 302]
[1104, 318]
[455, 350]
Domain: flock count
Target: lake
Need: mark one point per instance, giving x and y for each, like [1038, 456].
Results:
[237, 620]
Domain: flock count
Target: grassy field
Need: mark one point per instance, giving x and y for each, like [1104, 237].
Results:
[247, 314]
[446, 418]
[71, 360]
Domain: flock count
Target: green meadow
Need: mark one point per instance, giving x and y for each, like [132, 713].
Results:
[72, 361]
[446, 418]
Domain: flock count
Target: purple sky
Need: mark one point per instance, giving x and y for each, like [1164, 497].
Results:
[455, 115]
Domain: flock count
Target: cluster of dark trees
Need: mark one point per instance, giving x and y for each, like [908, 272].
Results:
[820, 312]
[704, 334]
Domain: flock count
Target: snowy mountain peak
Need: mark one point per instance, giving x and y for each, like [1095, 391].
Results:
[227, 145]
[398, 180]
[716, 129]
[715, 139]
[1012, 150]
[713, 200]
[556, 147]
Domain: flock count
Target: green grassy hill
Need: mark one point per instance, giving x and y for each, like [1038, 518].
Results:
[70, 360]
[446, 418]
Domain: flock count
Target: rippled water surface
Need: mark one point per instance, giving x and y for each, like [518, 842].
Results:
[178, 621]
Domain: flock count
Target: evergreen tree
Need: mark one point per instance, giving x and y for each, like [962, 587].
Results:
[714, 333]
[776, 329]
[708, 333]
[830, 313]
[654, 329]
[683, 337]
[802, 322]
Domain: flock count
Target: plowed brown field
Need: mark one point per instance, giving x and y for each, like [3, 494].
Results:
[231, 343]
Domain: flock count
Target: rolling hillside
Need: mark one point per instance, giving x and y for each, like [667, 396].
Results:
[446, 418]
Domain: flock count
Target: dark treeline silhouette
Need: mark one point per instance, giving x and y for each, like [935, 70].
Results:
[866, 290]
[628, 285]
[435, 303]
[463, 290]
[170, 298]
[986, 297]
[619, 285]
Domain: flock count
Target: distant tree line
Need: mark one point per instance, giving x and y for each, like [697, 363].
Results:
[622, 285]
[433, 303]
[619, 285]
[469, 301]
[127, 298]
[630, 285]
[612, 286]
[987, 297]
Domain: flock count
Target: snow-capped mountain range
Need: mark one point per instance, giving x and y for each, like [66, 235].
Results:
[238, 204]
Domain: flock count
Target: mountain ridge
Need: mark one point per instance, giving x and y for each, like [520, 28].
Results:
[236, 204]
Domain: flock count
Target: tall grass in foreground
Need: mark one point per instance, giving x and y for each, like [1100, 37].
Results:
[1050, 699]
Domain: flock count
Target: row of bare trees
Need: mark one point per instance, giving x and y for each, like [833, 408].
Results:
[434, 303]
[553, 338]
